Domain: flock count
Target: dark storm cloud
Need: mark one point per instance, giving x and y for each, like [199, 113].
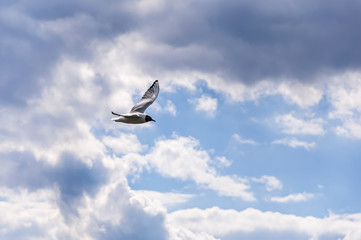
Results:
[293, 41]
[263, 39]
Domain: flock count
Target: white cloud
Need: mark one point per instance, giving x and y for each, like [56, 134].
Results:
[67, 115]
[297, 197]
[222, 162]
[242, 140]
[350, 128]
[180, 233]
[170, 107]
[206, 104]
[116, 212]
[182, 158]
[294, 143]
[48, 143]
[58, 119]
[301, 94]
[222, 223]
[34, 212]
[124, 143]
[344, 93]
[167, 199]
[271, 182]
[292, 125]
[68, 118]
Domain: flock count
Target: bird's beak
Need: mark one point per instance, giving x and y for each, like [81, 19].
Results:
[153, 120]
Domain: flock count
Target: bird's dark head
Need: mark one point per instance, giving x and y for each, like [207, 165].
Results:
[148, 118]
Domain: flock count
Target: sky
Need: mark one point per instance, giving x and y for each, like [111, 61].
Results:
[258, 120]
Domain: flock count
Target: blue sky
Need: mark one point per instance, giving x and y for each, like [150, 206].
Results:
[258, 126]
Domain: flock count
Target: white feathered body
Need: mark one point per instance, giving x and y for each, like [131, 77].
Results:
[132, 118]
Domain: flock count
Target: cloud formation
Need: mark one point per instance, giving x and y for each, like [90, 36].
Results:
[297, 197]
[292, 125]
[271, 225]
[294, 143]
[182, 158]
[242, 140]
[206, 104]
[65, 64]
[255, 40]
[344, 95]
[271, 183]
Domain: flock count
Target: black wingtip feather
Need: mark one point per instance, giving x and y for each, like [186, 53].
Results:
[154, 83]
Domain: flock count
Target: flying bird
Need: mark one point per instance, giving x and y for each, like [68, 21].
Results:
[136, 114]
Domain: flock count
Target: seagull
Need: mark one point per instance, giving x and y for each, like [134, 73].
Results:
[136, 114]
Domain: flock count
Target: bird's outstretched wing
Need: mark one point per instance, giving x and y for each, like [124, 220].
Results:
[148, 98]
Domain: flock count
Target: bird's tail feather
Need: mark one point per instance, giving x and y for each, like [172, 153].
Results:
[116, 114]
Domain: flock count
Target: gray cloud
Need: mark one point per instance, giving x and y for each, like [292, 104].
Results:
[72, 177]
[151, 227]
[240, 40]
[24, 234]
[34, 37]
[257, 40]
[22, 170]
[244, 40]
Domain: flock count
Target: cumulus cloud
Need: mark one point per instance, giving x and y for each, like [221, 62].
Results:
[167, 199]
[114, 213]
[349, 128]
[71, 200]
[53, 147]
[294, 143]
[271, 183]
[245, 37]
[29, 214]
[229, 223]
[206, 104]
[80, 170]
[301, 94]
[344, 95]
[36, 37]
[290, 124]
[222, 162]
[63, 62]
[171, 108]
[182, 158]
[124, 143]
[180, 233]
